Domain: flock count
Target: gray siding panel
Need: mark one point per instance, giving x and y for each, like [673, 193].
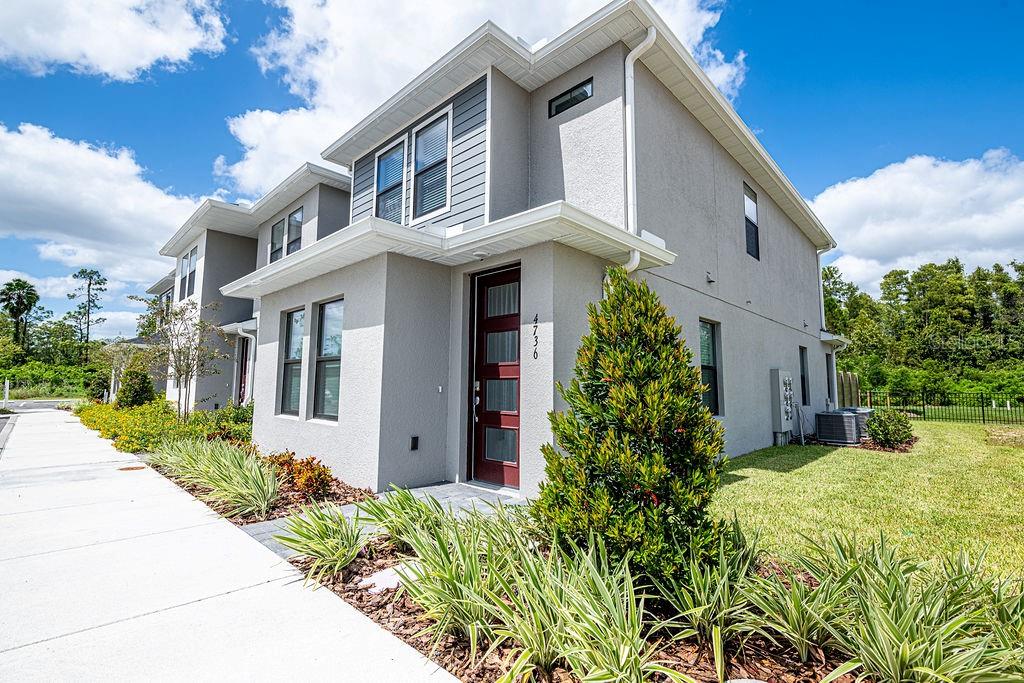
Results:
[469, 167]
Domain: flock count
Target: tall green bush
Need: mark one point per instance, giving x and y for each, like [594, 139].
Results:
[136, 389]
[890, 428]
[637, 452]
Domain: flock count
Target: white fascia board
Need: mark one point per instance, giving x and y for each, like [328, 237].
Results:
[369, 237]
[212, 213]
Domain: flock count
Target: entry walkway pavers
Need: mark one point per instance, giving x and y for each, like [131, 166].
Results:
[110, 571]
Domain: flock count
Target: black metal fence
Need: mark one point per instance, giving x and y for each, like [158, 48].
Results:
[952, 406]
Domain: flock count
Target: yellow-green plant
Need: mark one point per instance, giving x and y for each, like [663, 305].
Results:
[322, 533]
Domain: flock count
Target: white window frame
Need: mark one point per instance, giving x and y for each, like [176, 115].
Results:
[189, 272]
[404, 140]
[412, 168]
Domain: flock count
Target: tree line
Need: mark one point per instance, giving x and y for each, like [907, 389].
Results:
[935, 328]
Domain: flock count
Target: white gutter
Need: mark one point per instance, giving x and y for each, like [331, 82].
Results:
[630, 125]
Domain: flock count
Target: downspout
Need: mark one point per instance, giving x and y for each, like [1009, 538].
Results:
[250, 361]
[630, 126]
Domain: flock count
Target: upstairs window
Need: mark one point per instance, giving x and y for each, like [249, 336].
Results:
[390, 184]
[291, 374]
[709, 365]
[187, 274]
[430, 171]
[750, 215]
[277, 241]
[295, 231]
[571, 97]
[286, 235]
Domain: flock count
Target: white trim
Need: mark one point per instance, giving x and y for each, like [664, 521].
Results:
[403, 138]
[555, 222]
[449, 112]
[487, 148]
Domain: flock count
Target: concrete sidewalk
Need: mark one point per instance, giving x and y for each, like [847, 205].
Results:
[109, 571]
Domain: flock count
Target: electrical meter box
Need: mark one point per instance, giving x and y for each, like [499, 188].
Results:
[783, 409]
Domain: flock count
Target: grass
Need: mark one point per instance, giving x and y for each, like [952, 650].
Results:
[956, 489]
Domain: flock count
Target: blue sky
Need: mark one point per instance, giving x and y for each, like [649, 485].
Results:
[918, 101]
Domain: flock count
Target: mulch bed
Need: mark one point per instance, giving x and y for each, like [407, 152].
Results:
[288, 503]
[394, 611]
[290, 500]
[869, 444]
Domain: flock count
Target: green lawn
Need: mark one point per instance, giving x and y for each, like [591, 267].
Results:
[953, 490]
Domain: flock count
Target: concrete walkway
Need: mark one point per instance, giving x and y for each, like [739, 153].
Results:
[109, 571]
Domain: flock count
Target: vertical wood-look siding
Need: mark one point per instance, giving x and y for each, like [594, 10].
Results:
[469, 163]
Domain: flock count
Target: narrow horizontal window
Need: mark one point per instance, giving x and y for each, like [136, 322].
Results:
[390, 185]
[571, 97]
[430, 172]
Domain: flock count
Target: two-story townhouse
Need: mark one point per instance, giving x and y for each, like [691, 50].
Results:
[423, 341]
[222, 242]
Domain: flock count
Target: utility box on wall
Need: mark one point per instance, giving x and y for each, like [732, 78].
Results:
[783, 410]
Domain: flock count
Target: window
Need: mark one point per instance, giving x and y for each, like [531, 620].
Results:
[571, 97]
[709, 365]
[805, 387]
[828, 378]
[328, 360]
[390, 184]
[430, 167]
[187, 274]
[295, 230]
[291, 376]
[750, 216]
[277, 241]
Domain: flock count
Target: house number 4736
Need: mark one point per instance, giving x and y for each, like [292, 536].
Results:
[536, 323]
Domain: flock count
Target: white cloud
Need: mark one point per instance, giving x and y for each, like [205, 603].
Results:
[117, 39]
[90, 206]
[926, 209]
[331, 54]
[116, 324]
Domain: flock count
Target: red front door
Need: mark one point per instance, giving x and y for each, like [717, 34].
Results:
[496, 379]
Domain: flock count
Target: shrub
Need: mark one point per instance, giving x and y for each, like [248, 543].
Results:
[322, 533]
[637, 456]
[142, 428]
[890, 428]
[227, 473]
[96, 386]
[401, 515]
[312, 478]
[136, 389]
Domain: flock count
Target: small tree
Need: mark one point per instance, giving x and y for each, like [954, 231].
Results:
[136, 389]
[186, 346]
[17, 298]
[637, 457]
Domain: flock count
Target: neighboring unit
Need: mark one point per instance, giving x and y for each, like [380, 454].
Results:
[422, 341]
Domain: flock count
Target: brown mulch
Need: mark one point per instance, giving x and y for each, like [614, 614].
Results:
[869, 444]
[290, 500]
[288, 503]
[394, 611]
[1006, 436]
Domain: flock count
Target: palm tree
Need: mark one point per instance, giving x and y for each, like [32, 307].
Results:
[17, 298]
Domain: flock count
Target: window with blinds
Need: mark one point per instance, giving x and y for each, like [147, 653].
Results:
[430, 169]
[390, 186]
[709, 366]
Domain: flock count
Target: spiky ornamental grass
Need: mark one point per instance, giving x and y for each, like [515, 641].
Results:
[637, 452]
[322, 533]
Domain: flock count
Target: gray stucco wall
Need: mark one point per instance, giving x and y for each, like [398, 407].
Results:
[578, 154]
[416, 355]
[469, 153]
[349, 446]
[509, 191]
[690, 192]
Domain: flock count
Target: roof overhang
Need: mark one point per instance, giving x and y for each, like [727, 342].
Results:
[214, 214]
[241, 326]
[836, 341]
[556, 222]
[162, 285]
[622, 20]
